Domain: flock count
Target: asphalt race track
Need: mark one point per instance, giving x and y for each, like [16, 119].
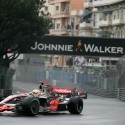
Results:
[97, 111]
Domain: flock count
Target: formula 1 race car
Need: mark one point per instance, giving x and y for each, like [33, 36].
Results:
[46, 99]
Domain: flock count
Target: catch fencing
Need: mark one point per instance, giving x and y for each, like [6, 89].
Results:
[98, 82]
[121, 82]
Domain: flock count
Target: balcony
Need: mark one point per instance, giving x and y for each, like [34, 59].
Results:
[61, 14]
[74, 13]
[118, 22]
[65, 29]
[85, 25]
[88, 4]
[105, 2]
[51, 2]
[61, 31]
[81, 12]
[105, 23]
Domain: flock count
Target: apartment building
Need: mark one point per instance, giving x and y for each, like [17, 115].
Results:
[107, 18]
[111, 17]
[66, 18]
[103, 18]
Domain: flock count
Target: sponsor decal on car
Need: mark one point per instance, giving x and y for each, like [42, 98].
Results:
[61, 90]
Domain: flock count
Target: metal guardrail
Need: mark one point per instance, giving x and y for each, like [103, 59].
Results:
[121, 94]
[110, 93]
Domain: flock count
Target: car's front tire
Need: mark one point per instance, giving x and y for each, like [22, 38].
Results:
[30, 105]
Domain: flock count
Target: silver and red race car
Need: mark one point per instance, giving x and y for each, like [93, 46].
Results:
[45, 99]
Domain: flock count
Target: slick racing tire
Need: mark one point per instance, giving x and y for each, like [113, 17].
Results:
[31, 105]
[75, 105]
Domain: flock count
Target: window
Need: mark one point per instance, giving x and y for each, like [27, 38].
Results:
[46, 8]
[121, 33]
[118, 14]
[114, 17]
[57, 25]
[94, 22]
[57, 8]
[105, 17]
[118, 34]
[101, 17]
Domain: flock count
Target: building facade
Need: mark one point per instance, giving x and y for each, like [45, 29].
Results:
[66, 18]
[107, 19]
[103, 18]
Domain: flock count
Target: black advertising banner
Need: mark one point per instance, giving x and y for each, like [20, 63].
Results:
[82, 46]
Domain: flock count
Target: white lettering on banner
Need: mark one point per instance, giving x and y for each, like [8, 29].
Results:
[69, 48]
[52, 47]
[40, 46]
[100, 49]
[120, 50]
[46, 47]
[107, 49]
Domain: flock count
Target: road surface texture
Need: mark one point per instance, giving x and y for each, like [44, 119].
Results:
[97, 111]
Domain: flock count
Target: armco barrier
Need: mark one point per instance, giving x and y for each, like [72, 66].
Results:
[121, 94]
[111, 93]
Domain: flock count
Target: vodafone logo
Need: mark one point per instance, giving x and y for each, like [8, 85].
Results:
[61, 90]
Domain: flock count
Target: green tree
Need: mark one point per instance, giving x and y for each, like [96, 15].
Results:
[21, 22]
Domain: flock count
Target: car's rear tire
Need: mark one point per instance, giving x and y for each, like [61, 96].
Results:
[75, 105]
[30, 105]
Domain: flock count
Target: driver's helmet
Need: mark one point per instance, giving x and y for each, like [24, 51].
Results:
[36, 92]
